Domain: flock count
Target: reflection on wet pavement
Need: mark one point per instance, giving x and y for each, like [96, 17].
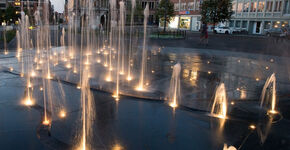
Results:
[134, 123]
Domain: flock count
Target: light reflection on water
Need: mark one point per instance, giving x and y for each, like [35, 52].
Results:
[202, 72]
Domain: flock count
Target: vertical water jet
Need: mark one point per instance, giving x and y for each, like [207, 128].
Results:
[219, 107]
[174, 89]
[272, 100]
[141, 87]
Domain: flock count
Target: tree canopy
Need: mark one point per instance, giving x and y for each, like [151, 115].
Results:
[10, 14]
[214, 11]
[165, 11]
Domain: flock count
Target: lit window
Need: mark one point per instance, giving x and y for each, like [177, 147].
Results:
[17, 3]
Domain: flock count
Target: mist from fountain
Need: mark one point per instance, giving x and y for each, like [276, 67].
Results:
[272, 101]
[219, 106]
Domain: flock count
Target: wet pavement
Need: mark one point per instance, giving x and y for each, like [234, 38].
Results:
[244, 75]
[18, 124]
[134, 123]
[130, 124]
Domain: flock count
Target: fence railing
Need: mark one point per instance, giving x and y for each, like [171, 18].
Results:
[157, 33]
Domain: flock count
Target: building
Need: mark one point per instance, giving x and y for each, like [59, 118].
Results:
[58, 18]
[100, 9]
[2, 5]
[152, 4]
[28, 6]
[5, 3]
[187, 15]
[256, 16]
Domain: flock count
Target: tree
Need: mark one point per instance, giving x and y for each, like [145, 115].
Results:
[165, 12]
[214, 11]
[10, 14]
[1, 16]
[60, 20]
[139, 13]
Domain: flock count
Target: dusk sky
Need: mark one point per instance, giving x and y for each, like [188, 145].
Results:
[58, 5]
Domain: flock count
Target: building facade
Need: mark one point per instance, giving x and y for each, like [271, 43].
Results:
[187, 15]
[152, 4]
[100, 9]
[2, 5]
[257, 16]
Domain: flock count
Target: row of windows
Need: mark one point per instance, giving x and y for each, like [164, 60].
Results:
[269, 6]
[187, 6]
[3, 5]
[152, 5]
[267, 24]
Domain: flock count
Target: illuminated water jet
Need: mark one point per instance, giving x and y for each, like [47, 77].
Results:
[46, 122]
[144, 52]
[174, 89]
[29, 84]
[252, 127]
[272, 100]
[48, 77]
[68, 66]
[219, 107]
[116, 96]
[140, 88]
[62, 114]
[28, 101]
[32, 74]
[108, 79]
[129, 78]
[75, 71]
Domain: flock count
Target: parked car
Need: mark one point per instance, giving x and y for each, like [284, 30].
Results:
[223, 30]
[239, 31]
[277, 32]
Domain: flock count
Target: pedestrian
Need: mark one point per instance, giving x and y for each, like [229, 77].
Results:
[206, 35]
[203, 35]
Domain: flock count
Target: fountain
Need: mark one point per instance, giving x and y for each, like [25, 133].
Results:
[122, 36]
[133, 5]
[5, 41]
[174, 89]
[100, 58]
[120, 49]
[219, 107]
[272, 100]
[113, 17]
[28, 100]
[141, 87]
[88, 111]
[226, 147]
